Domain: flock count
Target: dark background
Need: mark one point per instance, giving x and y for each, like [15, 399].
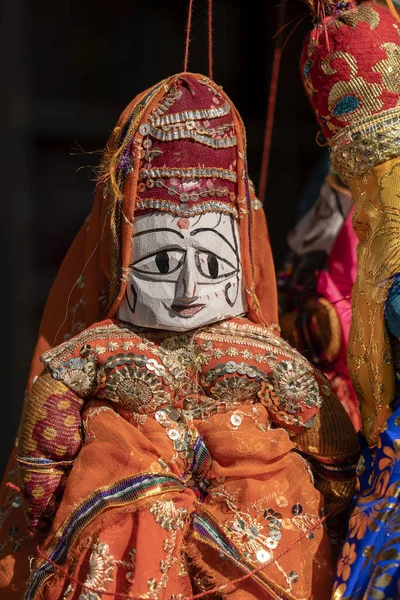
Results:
[68, 68]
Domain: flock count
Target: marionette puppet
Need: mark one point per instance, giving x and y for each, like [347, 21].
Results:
[314, 289]
[174, 444]
[351, 66]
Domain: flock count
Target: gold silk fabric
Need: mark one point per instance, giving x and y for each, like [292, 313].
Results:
[377, 224]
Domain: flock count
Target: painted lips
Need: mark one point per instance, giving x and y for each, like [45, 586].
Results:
[187, 311]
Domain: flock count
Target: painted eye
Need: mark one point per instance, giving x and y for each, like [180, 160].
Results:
[212, 266]
[163, 262]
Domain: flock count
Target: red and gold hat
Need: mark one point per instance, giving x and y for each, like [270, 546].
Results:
[188, 158]
[351, 71]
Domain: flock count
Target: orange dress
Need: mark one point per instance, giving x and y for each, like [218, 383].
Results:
[166, 464]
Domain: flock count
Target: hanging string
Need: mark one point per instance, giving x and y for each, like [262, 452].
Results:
[273, 91]
[210, 39]
[188, 31]
[393, 9]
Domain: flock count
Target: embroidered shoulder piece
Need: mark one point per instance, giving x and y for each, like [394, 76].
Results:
[76, 361]
[294, 391]
[294, 397]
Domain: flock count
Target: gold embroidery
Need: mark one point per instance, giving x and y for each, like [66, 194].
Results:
[100, 574]
[167, 515]
[390, 67]
[235, 390]
[363, 13]
[180, 370]
[370, 357]
[358, 148]
[171, 519]
[136, 388]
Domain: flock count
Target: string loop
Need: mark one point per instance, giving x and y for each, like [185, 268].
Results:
[210, 37]
[188, 31]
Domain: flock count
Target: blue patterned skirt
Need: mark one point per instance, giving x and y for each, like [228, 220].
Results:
[369, 565]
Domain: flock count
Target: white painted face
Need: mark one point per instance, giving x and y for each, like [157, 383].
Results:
[185, 272]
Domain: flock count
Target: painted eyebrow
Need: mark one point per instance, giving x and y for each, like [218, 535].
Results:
[159, 229]
[203, 229]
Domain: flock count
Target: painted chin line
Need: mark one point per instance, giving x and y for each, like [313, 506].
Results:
[184, 311]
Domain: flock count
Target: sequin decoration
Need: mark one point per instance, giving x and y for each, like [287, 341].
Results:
[135, 387]
[100, 573]
[204, 140]
[296, 385]
[78, 374]
[357, 149]
[247, 533]
[167, 515]
[188, 173]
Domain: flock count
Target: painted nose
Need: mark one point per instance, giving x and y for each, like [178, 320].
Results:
[186, 287]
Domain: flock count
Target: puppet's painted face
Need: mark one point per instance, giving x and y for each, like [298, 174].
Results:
[185, 272]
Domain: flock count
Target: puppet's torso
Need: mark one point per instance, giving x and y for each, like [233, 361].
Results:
[191, 433]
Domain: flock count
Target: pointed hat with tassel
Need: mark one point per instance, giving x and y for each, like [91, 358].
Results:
[350, 66]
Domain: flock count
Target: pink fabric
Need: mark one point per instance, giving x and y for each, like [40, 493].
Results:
[336, 283]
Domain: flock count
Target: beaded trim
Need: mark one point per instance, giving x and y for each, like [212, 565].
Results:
[182, 134]
[191, 115]
[358, 149]
[190, 173]
[203, 192]
[183, 210]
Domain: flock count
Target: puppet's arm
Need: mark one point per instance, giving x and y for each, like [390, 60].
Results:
[321, 431]
[331, 447]
[49, 439]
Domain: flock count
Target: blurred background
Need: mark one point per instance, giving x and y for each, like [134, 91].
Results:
[68, 68]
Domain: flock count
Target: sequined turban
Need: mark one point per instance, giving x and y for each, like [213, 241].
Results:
[188, 157]
[351, 71]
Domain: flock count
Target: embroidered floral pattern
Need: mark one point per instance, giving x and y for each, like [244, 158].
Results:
[234, 390]
[135, 387]
[369, 564]
[348, 557]
[78, 374]
[100, 573]
[167, 515]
